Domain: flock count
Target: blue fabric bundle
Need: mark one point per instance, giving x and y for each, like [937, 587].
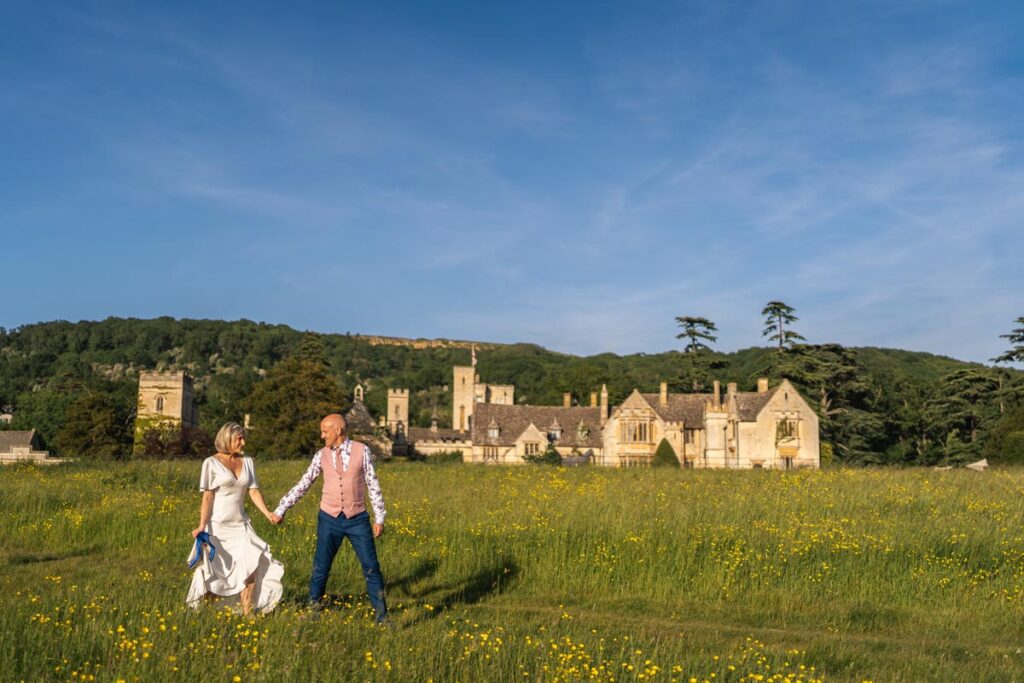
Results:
[197, 552]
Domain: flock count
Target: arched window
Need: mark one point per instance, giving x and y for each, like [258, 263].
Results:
[159, 404]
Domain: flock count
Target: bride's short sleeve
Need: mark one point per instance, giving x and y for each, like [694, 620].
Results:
[254, 483]
[206, 476]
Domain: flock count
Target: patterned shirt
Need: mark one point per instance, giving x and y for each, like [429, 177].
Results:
[344, 451]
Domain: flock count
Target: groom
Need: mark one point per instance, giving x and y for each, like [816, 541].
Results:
[347, 467]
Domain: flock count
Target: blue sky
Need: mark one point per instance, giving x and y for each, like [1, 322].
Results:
[570, 174]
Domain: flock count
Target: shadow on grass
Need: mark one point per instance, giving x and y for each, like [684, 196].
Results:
[484, 584]
[32, 558]
[404, 584]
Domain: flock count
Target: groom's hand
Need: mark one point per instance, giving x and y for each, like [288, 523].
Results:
[275, 518]
[378, 529]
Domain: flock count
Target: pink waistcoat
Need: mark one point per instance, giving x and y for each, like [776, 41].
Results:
[343, 491]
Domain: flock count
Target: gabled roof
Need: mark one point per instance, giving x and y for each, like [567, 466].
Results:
[358, 420]
[750, 403]
[513, 420]
[685, 408]
[9, 440]
[689, 408]
[417, 434]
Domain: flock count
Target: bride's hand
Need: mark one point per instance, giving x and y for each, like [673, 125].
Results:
[198, 530]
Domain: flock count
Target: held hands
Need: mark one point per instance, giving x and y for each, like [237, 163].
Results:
[275, 518]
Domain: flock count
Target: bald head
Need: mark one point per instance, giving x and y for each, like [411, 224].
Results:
[332, 430]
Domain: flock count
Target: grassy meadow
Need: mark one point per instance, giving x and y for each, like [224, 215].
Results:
[533, 574]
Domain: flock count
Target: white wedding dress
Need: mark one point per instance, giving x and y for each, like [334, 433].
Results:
[239, 551]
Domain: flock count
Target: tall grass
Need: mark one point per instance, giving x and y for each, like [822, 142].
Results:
[533, 573]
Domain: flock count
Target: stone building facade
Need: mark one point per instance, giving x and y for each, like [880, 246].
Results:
[165, 400]
[398, 410]
[506, 434]
[770, 428]
[468, 391]
[23, 446]
[435, 439]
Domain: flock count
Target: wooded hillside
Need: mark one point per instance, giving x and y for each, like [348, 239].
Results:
[876, 405]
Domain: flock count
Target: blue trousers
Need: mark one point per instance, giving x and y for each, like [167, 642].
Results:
[330, 532]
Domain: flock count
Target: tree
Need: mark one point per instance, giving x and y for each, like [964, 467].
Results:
[697, 330]
[93, 428]
[550, 456]
[1012, 452]
[580, 379]
[1001, 432]
[171, 440]
[697, 366]
[778, 317]
[1016, 352]
[44, 411]
[287, 406]
[311, 348]
[665, 455]
[965, 404]
[839, 392]
[910, 434]
[223, 399]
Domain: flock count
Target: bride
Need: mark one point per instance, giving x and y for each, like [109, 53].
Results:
[241, 569]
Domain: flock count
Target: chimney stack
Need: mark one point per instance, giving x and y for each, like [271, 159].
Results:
[566, 400]
[604, 404]
[716, 399]
[593, 399]
[663, 398]
[730, 390]
[762, 385]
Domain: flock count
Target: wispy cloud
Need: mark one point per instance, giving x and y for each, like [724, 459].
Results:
[864, 164]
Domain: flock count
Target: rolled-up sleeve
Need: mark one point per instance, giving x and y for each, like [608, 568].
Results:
[299, 490]
[373, 488]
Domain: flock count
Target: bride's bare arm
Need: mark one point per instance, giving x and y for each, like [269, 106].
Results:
[257, 499]
[205, 506]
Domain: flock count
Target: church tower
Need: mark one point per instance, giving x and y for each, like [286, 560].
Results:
[166, 399]
[398, 410]
[463, 396]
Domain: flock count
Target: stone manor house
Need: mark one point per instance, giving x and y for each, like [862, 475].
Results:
[771, 428]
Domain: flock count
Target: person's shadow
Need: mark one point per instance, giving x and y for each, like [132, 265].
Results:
[486, 583]
[406, 584]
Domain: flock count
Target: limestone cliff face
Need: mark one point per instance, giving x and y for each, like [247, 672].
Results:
[424, 343]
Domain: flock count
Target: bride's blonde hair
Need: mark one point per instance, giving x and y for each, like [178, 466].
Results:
[222, 442]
